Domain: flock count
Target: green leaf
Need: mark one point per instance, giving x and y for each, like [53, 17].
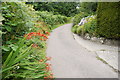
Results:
[14, 47]
[8, 28]
[5, 48]
[22, 55]
[8, 59]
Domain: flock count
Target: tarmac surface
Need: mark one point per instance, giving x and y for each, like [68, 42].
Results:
[72, 60]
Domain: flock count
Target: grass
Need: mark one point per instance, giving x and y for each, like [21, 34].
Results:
[101, 60]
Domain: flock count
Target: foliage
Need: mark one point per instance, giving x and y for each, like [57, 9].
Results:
[85, 9]
[88, 7]
[51, 19]
[79, 16]
[23, 57]
[63, 8]
[24, 60]
[108, 20]
[74, 28]
[18, 19]
[79, 30]
[89, 27]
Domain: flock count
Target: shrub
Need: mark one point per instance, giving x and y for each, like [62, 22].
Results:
[108, 20]
[24, 61]
[91, 26]
[18, 19]
[50, 18]
[78, 17]
[23, 57]
[74, 28]
[80, 29]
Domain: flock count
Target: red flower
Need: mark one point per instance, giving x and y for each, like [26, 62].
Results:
[47, 64]
[45, 77]
[34, 45]
[41, 60]
[48, 58]
[44, 39]
[29, 37]
[51, 73]
[48, 68]
[48, 33]
[39, 34]
[41, 39]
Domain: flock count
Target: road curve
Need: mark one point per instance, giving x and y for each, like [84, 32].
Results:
[71, 60]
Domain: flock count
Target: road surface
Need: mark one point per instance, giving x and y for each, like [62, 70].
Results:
[71, 60]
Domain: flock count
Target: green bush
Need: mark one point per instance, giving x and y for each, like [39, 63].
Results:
[63, 8]
[80, 30]
[91, 26]
[78, 17]
[108, 20]
[19, 18]
[51, 19]
[24, 60]
[22, 56]
[74, 28]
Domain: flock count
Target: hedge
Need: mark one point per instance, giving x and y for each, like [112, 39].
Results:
[108, 20]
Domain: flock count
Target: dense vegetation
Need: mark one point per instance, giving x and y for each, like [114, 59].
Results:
[24, 33]
[85, 9]
[51, 19]
[108, 20]
[106, 23]
[27, 26]
[89, 27]
[62, 8]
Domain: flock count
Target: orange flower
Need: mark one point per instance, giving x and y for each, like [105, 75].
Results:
[45, 77]
[48, 58]
[51, 73]
[48, 33]
[44, 39]
[41, 60]
[47, 64]
[48, 68]
[39, 34]
[29, 37]
[41, 39]
[34, 45]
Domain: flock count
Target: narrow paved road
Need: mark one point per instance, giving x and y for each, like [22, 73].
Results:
[71, 60]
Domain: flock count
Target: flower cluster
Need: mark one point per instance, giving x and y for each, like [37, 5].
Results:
[30, 35]
[47, 68]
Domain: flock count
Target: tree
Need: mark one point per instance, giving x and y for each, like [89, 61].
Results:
[63, 8]
[88, 7]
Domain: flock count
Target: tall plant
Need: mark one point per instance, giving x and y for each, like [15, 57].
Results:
[18, 19]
